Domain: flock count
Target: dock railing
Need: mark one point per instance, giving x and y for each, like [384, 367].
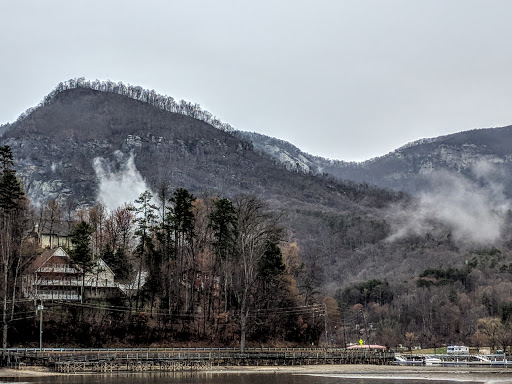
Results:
[120, 359]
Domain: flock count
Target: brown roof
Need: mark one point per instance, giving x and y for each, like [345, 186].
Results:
[44, 257]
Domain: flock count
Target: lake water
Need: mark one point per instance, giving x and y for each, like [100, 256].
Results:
[215, 378]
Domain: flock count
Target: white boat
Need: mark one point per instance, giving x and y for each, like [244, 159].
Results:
[408, 360]
[432, 361]
[482, 358]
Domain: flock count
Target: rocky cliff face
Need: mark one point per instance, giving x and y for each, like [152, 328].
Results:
[287, 154]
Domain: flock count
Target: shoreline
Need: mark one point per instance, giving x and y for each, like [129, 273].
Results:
[459, 374]
[396, 372]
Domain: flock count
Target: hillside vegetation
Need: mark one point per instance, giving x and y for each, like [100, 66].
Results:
[418, 271]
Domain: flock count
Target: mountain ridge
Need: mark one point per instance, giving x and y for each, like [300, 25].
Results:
[409, 167]
[94, 124]
[399, 170]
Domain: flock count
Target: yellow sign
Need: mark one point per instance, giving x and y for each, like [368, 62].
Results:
[361, 342]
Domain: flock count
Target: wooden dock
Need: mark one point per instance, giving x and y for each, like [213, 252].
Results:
[177, 359]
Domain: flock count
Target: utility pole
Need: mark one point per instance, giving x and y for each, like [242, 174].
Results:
[40, 308]
[325, 325]
[367, 330]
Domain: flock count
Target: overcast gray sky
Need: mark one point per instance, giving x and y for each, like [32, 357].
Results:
[348, 80]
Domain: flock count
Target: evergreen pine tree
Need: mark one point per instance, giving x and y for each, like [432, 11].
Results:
[12, 222]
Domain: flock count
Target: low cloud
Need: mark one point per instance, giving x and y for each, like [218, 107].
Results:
[472, 209]
[119, 180]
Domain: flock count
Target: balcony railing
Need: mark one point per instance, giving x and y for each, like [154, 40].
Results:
[75, 283]
[58, 269]
[57, 295]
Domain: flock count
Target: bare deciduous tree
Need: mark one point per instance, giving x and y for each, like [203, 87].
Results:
[256, 229]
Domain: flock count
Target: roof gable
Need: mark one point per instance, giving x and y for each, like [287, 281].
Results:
[100, 263]
[60, 252]
[45, 257]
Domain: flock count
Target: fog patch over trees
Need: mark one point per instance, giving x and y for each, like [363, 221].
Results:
[472, 210]
[119, 181]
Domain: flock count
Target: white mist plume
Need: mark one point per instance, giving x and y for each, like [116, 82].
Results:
[473, 211]
[119, 182]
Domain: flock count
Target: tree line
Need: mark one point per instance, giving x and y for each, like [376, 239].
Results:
[166, 103]
[203, 267]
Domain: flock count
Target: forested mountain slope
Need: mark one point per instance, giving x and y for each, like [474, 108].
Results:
[414, 264]
[56, 146]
